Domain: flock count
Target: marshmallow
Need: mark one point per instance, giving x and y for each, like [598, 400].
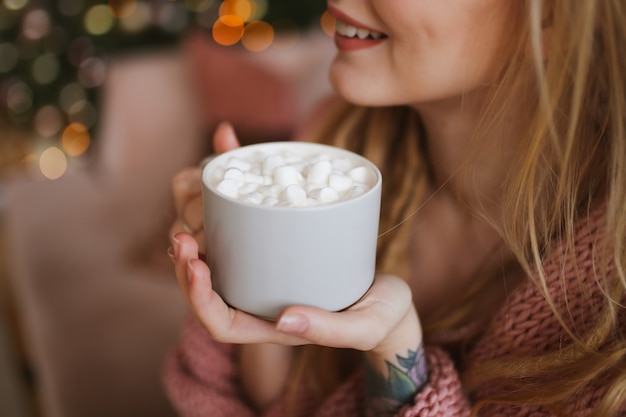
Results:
[270, 201]
[286, 175]
[319, 172]
[270, 163]
[295, 194]
[254, 197]
[359, 174]
[356, 191]
[272, 190]
[292, 179]
[339, 182]
[238, 163]
[248, 188]
[326, 195]
[341, 164]
[234, 174]
[228, 187]
[249, 176]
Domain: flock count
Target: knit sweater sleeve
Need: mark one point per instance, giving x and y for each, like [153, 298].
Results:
[201, 376]
[442, 396]
[201, 379]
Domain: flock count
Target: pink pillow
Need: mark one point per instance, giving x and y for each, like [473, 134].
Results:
[232, 87]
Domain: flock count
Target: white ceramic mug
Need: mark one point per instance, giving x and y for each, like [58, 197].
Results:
[263, 259]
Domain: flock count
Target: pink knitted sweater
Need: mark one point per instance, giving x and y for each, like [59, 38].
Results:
[201, 376]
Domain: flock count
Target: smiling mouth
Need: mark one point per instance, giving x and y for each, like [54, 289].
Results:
[349, 31]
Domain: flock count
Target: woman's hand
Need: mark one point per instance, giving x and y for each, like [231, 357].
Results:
[383, 323]
[366, 326]
[187, 189]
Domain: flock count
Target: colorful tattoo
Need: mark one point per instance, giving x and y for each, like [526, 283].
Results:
[386, 395]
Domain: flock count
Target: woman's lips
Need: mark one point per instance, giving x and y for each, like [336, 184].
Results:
[351, 35]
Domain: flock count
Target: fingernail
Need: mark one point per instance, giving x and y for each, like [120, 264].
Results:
[171, 254]
[175, 245]
[292, 323]
[190, 270]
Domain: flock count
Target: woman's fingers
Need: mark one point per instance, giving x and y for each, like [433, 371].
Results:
[186, 185]
[224, 323]
[224, 138]
[185, 249]
[363, 326]
[187, 191]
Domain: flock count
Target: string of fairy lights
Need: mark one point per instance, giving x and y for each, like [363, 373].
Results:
[54, 56]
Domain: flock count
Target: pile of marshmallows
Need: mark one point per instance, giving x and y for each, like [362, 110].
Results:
[291, 179]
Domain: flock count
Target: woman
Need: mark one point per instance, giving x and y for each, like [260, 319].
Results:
[500, 128]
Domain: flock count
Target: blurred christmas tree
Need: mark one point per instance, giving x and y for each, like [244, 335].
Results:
[53, 54]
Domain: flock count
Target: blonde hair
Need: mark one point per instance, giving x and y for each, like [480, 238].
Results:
[572, 153]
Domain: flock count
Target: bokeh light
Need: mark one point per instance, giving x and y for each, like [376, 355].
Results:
[257, 36]
[80, 49]
[228, 30]
[75, 139]
[138, 20]
[70, 94]
[327, 22]
[98, 20]
[259, 9]
[92, 72]
[52, 163]
[15, 4]
[45, 68]
[19, 98]
[172, 17]
[54, 56]
[48, 121]
[36, 24]
[239, 8]
[83, 112]
[122, 8]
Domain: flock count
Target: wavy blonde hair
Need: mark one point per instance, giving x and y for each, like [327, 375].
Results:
[572, 152]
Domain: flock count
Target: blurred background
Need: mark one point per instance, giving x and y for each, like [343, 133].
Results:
[54, 57]
[101, 103]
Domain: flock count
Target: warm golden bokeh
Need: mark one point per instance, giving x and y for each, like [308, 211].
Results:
[327, 22]
[75, 139]
[53, 163]
[68, 117]
[240, 8]
[228, 30]
[122, 8]
[258, 36]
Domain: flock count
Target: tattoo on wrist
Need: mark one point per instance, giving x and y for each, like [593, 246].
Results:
[386, 395]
